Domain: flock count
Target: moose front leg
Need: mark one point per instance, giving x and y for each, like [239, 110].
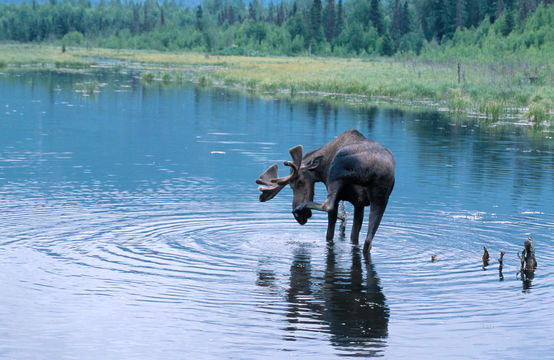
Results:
[332, 221]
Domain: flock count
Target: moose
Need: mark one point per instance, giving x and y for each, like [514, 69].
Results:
[352, 168]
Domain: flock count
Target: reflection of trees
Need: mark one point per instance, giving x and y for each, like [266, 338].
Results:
[488, 156]
[354, 310]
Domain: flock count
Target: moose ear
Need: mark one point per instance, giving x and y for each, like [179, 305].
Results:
[314, 163]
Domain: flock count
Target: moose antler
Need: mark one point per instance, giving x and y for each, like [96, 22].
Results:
[273, 184]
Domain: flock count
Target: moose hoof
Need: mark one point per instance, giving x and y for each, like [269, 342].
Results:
[367, 248]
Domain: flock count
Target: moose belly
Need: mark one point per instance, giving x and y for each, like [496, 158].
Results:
[357, 195]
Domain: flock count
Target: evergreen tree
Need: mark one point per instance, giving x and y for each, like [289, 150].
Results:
[271, 13]
[441, 20]
[136, 21]
[199, 18]
[231, 15]
[339, 23]
[405, 19]
[330, 20]
[315, 20]
[280, 14]
[385, 46]
[525, 8]
[460, 14]
[473, 16]
[251, 12]
[499, 8]
[490, 10]
[145, 24]
[376, 17]
[395, 31]
[508, 24]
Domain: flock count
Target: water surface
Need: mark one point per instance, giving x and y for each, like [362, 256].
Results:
[131, 228]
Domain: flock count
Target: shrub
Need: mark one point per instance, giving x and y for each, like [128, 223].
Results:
[73, 38]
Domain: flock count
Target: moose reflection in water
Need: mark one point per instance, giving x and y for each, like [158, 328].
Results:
[351, 307]
[352, 168]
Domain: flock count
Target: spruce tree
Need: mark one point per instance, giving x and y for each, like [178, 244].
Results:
[315, 20]
[460, 14]
[251, 12]
[395, 31]
[508, 24]
[271, 13]
[330, 20]
[490, 10]
[473, 16]
[499, 8]
[199, 17]
[375, 16]
[280, 14]
[339, 23]
[405, 19]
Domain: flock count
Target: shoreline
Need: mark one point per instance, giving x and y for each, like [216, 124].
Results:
[354, 82]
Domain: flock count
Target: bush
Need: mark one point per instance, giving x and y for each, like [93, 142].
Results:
[73, 38]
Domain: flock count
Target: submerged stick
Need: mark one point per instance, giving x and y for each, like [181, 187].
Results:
[501, 265]
[530, 261]
[486, 257]
[501, 260]
[527, 259]
[343, 217]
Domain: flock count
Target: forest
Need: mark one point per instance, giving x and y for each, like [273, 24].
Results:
[296, 27]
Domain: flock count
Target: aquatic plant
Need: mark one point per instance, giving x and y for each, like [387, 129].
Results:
[539, 109]
[88, 88]
[147, 76]
[458, 101]
[492, 109]
[203, 81]
[166, 78]
[178, 76]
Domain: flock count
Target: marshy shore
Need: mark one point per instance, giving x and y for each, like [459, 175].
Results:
[479, 90]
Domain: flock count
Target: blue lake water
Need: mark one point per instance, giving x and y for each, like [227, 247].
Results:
[131, 229]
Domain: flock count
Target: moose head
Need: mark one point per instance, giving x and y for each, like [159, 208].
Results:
[301, 179]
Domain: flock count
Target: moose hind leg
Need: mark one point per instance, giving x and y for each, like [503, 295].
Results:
[357, 224]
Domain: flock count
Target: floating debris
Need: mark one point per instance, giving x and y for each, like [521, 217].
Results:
[343, 217]
[434, 258]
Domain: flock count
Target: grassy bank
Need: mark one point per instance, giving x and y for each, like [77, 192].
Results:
[479, 89]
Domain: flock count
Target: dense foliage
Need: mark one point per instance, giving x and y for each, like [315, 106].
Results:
[322, 27]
